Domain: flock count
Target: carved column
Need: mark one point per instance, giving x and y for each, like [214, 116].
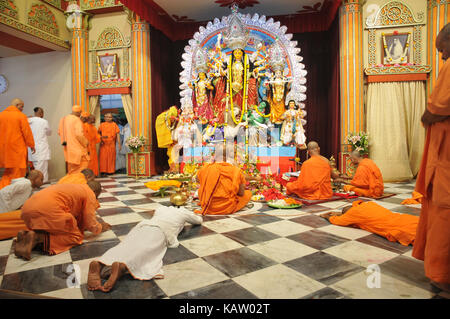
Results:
[78, 24]
[438, 16]
[141, 82]
[351, 72]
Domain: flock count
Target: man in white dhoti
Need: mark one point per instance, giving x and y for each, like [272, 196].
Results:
[142, 250]
[41, 130]
[13, 196]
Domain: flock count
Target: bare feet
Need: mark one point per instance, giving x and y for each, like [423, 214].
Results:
[26, 241]
[94, 281]
[117, 270]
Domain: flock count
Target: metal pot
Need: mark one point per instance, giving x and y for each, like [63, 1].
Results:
[179, 198]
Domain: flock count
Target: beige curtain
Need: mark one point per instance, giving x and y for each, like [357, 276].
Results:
[93, 102]
[396, 135]
[128, 108]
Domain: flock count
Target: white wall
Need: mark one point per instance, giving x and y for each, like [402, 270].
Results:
[42, 80]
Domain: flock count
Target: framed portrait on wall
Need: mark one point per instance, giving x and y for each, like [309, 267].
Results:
[108, 67]
[395, 48]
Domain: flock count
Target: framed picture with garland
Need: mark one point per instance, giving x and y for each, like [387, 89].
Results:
[395, 48]
[108, 67]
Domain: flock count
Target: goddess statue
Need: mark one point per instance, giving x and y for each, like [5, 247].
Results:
[292, 128]
[201, 98]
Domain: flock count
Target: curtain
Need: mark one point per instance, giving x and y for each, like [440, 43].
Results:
[93, 102]
[127, 103]
[314, 21]
[396, 135]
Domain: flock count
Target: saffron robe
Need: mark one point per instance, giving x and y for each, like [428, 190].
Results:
[376, 219]
[75, 152]
[10, 224]
[314, 181]
[15, 136]
[64, 211]
[368, 181]
[108, 149]
[219, 186]
[415, 199]
[77, 178]
[93, 139]
[433, 233]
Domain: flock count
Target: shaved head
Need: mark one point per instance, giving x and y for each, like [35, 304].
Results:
[89, 174]
[313, 148]
[355, 157]
[36, 178]
[108, 117]
[96, 187]
[18, 103]
[443, 42]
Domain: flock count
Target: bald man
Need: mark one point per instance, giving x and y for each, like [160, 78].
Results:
[314, 181]
[74, 142]
[41, 130]
[15, 136]
[368, 181]
[57, 218]
[432, 243]
[14, 195]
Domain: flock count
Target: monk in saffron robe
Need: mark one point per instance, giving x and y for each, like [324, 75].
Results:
[15, 136]
[91, 133]
[368, 181]
[414, 200]
[376, 219]
[314, 181]
[74, 142]
[433, 233]
[85, 176]
[109, 132]
[58, 217]
[164, 125]
[222, 188]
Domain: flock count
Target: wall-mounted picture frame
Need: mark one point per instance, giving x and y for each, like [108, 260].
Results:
[396, 48]
[108, 67]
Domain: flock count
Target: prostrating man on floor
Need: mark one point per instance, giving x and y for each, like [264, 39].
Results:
[141, 252]
[222, 189]
[14, 195]
[109, 132]
[376, 219]
[433, 233]
[15, 136]
[368, 181]
[58, 217]
[74, 142]
[41, 130]
[93, 139]
[314, 181]
[85, 176]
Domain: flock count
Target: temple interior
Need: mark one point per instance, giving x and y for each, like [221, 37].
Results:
[262, 85]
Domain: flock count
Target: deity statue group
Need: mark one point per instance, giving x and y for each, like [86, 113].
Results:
[239, 87]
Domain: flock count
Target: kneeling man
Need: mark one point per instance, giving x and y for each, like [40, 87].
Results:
[57, 218]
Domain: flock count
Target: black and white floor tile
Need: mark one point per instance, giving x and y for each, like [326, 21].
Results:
[257, 253]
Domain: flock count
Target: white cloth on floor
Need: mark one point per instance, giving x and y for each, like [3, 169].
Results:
[13, 196]
[143, 249]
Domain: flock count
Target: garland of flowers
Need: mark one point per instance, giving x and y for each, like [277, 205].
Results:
[231, 89]
[214, 130]
[261, 114]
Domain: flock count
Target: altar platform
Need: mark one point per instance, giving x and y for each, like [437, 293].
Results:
[280, 159]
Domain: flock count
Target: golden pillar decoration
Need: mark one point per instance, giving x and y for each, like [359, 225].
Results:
[351, 73]
[438, 16]
[77, 22]
[141, 83]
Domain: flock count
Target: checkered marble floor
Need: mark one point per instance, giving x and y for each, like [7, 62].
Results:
[257, 253]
